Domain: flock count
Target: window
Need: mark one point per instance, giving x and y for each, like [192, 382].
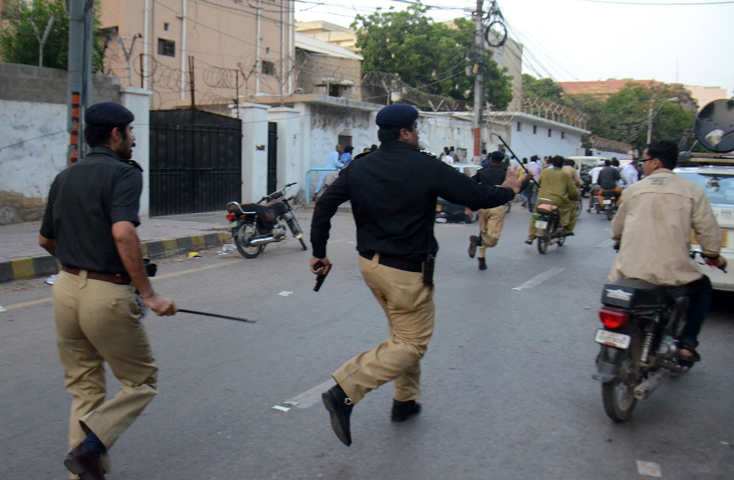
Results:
[550, 133]
[337, 90]
[535, 129]
[563, 135]
[166, 47]
[345, 140]
[519, 126]
[166, 25]
[268, 68]
[267, 50]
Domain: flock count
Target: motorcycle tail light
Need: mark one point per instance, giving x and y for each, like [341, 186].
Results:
[231, 217]
[613, 319]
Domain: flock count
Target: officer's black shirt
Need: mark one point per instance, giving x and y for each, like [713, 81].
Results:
[492, 175]
[85, 201]
[393, 194]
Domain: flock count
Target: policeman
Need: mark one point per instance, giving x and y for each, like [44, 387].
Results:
[89, 226]
[393, 195]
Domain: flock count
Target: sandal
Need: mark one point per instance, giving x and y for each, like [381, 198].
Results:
[685, 360]
[529, 242]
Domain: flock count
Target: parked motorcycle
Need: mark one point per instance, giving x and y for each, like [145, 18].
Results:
[638, 348]
[255, 225]
[549, 230]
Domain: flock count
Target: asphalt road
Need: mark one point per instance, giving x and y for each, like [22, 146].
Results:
[507, 381]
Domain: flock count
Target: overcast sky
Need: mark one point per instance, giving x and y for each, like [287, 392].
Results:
[585, 40]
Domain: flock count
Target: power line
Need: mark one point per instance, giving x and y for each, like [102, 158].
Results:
[650, 4]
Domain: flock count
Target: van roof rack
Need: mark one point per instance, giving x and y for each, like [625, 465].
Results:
[690, 159]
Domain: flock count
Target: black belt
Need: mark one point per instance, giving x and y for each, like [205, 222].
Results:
[399, 263]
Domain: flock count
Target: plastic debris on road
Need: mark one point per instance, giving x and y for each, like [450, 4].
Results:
[281, 409]
[285, 293]
[228, 247]
[650, 469]
[194, 255]
[3, 309]
[50, 280]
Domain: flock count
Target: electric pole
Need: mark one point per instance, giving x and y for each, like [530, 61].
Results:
[81, 20]
[478, 80]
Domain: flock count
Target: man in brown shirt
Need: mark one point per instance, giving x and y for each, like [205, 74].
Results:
[654, 227]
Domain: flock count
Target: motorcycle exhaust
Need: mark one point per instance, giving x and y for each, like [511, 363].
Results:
[259, 241]
[643, 390]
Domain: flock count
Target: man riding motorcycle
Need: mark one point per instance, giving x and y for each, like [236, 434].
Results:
[608, 178]
[556, 185]
[654, 226]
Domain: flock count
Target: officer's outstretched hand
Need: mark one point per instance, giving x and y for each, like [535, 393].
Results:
[511, 180]
[162, 306]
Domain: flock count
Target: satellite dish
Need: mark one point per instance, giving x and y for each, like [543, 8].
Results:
[714, 126]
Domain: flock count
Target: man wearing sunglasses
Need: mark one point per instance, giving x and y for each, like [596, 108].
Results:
[653, 229]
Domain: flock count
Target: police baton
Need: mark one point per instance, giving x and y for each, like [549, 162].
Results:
[518, 160]
[195, 312]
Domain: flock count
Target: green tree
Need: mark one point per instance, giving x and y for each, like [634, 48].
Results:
[25, 21]
[543, 88]
[426, 55]
[625, 115]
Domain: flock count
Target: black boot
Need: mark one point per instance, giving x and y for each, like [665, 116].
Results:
[482, 264]
[401, 411]
[340, 408]
[474, 242]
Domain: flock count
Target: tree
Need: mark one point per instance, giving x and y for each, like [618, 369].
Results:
[625, 115]
[426, 55]
[543, 88]
[25, 21]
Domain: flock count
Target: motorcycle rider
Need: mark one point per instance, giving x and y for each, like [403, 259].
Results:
[608, 178]
[654, 222]
[556, 185]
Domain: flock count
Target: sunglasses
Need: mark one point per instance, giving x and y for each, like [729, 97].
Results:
[646, 160]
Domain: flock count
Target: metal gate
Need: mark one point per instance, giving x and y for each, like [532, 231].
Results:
[272, 156]
[195, 161]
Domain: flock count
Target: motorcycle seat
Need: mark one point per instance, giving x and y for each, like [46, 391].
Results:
[631, 293]
[545, 208]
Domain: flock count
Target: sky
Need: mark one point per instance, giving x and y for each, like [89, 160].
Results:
[577, 40]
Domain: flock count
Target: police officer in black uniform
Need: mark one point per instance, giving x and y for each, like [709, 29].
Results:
[89, 226]
[393, 195]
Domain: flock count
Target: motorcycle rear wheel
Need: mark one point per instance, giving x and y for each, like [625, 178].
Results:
[245, 249]
[542, 244]
[618, 395]
[610, 213]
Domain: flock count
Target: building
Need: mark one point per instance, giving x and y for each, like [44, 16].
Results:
[326, 69]
[706, 95]
[329, 32]
[603, 89]
[203, 52]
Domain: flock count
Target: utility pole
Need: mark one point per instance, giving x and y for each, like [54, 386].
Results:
[649, 122]
[478, 80]
[81, 20]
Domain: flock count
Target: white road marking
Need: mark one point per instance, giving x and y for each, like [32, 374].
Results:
[538, 279]
[605, 244]
[649, 469]
[281, 409]
[310, 397]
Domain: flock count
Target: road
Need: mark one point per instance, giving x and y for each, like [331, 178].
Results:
[508, 392]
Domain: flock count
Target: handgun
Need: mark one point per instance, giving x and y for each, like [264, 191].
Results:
[320, 278]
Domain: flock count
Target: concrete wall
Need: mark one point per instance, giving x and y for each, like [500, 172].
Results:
[254, 152]
[34, 138]
[563, 140]
[290, 157]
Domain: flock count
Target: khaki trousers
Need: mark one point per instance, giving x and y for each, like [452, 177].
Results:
[410, 312]
[99, 321]
[490, 226]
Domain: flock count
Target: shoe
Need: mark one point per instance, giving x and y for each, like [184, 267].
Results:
[482, 264]
[81, 461]
[474, 242]
[569, 234]
[401, 411]
[529, 242]
[340, 408]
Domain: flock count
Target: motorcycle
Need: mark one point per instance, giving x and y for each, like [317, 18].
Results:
[585, 187]
[255, 225]
[609, 203]
[549, 230]
[638, 348]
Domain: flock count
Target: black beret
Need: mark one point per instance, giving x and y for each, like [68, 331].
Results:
[499, 156]
[397, 115]
[108, 113]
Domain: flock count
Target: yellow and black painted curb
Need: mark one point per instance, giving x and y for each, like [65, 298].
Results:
[43, 265]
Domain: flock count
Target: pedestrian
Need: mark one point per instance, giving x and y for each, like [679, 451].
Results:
[393, 195]
[346, 157]
[89, 226]
[332, 163]
[448, 158]
[490, 219]
[629, 173]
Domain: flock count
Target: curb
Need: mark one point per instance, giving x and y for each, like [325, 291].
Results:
[43, 265]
